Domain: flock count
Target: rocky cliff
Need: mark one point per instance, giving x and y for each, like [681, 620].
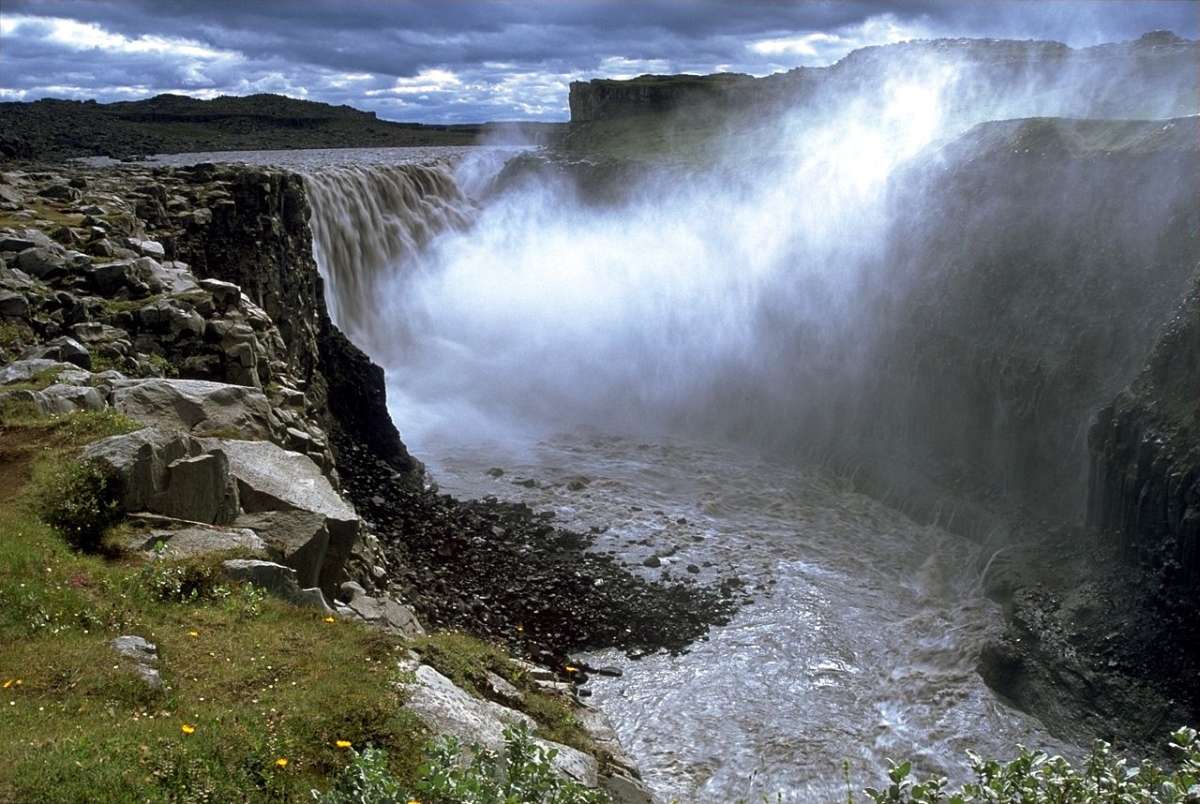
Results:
[1021, 292]
[1107, 81]
[1144, 483]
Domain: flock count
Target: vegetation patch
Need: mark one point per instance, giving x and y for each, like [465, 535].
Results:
[261, 700]
[522, 773]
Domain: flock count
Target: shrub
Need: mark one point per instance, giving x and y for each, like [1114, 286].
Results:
[523, 773]
[1035, 777]
[79, 500]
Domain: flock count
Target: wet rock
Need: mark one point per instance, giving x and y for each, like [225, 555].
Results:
[652, 561]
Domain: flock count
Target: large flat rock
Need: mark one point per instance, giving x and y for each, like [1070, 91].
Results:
[449, 710]
[199, 407]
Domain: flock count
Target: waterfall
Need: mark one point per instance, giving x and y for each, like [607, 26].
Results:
[369, 221]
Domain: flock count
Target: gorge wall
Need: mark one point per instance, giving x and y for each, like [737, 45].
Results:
[1110, 80]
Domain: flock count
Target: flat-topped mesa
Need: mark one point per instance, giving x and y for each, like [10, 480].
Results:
[1106, 80]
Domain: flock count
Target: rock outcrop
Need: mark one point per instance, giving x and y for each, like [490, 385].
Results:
[1108, 80]
[1145, 455]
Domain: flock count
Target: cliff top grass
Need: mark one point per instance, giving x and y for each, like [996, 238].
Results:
[261, 700]
[248, 681]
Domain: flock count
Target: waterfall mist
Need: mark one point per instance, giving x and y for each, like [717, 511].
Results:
[739, 295]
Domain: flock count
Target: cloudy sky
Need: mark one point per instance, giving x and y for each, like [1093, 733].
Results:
[463, 60]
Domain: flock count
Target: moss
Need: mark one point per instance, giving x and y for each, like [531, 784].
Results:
[117, 306]
[14, 337]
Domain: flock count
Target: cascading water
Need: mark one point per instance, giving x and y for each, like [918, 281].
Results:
[384, 215]
[602, 354]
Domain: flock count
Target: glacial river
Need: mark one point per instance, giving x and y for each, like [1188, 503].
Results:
[860, 645]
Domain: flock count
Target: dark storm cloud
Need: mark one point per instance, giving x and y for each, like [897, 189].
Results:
[460, 60]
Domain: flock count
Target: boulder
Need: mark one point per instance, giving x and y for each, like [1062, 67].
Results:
[449, 710]
[133, 275]
[174, 277]
[141, 461]
[187, 539]
[149, 248]
[140, 656]
[43, 262]
[27, 370]
[381, 612]
[60, 192]
[13, 304]
[226, 295]
[276, 579]
[62, 398]
[61, 349]
[298, 539]
[10, 242]
[200, 489]
[271, 479]
[196, 406]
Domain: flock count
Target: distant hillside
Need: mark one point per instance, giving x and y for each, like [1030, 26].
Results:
[58, 129]
[1154, 77]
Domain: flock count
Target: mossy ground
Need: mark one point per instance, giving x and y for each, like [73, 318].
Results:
[256, 681]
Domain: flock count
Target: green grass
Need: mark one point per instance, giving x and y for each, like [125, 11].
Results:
[258, 680]
[14, 337]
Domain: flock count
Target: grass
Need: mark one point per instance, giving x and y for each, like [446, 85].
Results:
[14, 337]
[256, 680]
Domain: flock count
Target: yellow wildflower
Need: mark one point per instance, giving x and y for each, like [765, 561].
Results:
[281, 762]
[343, 743]
[187, 728]
[8, 683]
[193, 633]
[331, 619]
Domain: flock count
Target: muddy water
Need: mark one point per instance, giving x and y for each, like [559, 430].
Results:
[860, 645]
